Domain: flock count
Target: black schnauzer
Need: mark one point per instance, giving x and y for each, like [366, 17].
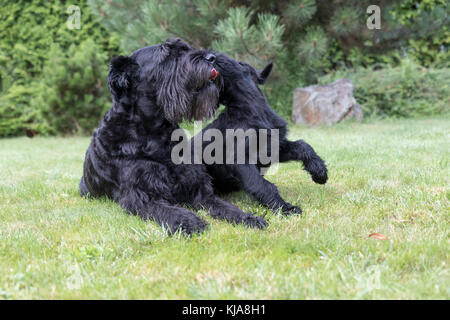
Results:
[247, 108]
[129, 158]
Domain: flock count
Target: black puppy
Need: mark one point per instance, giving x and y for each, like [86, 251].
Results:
[247, 108]
[129, 158]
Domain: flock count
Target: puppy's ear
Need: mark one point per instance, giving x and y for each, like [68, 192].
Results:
[123, 70]
[177, 43]
[264, 73]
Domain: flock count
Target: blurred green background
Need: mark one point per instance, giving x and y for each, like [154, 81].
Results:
[53, 78]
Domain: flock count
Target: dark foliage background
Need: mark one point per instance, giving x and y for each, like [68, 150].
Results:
[52, 79]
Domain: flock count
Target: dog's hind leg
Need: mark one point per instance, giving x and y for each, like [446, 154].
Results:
[301, 151]
[221, 209]
[262, 190]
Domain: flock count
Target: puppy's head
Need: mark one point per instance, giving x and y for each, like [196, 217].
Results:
[240, 77]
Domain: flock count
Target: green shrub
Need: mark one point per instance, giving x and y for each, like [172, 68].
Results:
[17, 114]
[73, 93]
[408, 90]
[28, 29]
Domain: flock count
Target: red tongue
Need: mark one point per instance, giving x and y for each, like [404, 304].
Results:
[214, 74]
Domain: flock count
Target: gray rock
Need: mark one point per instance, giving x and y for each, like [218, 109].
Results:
[325, 104]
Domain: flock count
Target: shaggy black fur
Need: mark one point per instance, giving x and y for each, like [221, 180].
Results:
[246, 108]
[129, 158]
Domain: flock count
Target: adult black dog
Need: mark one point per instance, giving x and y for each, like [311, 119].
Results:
[129, 158]
[247, 108]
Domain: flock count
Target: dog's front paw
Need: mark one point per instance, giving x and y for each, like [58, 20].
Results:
[318, 171]
[290, 209]
[255, 222]
[188, 225]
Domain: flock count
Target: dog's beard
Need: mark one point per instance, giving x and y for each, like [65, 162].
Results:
[206, 102]
[201, 104]
[189, 90]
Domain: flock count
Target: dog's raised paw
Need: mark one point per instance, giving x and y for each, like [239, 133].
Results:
[318, 171]
[320, 178]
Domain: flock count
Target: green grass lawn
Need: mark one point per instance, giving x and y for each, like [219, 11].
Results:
[390, 177]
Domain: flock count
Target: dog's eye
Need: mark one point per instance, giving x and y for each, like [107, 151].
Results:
[210, 58]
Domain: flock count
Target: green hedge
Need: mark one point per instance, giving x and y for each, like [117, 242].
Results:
[405, 91]
[28, 32]
[73, 94]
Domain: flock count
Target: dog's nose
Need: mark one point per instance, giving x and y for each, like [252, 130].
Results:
[210, 58]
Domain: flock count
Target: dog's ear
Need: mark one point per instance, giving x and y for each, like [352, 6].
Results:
[123, 70]
[177, 44]
[264, 73]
